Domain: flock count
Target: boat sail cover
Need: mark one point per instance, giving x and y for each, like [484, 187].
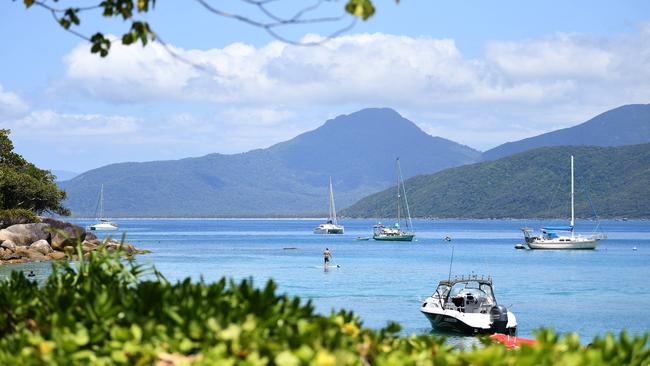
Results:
[558, 228]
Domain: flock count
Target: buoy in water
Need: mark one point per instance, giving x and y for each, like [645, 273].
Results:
[634, 248]
[447, 238]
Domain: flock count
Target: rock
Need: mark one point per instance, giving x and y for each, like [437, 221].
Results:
[69, 251]
[7, 255]
[23, 252]
[36, 256]
[57, 255]
[25, 234]
[8, 244]
[88, 248]
[91, 236]
[64, 233]
[41, 246]
[95, 242]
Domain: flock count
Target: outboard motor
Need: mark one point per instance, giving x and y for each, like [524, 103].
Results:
[499, 319]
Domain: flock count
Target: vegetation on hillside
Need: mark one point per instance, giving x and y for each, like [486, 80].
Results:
[105, 311]
[23, 185]
[535, 183]
[287, 178]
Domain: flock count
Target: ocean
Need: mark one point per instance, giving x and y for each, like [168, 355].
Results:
[589, 292]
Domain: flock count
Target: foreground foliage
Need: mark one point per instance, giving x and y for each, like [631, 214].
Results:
[107, 311]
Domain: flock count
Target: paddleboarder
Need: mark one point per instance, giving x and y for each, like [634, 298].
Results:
[326, 257]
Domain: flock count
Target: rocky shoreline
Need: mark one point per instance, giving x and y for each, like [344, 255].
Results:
[52, 239]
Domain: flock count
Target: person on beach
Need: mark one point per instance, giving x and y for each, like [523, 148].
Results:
[326, 257]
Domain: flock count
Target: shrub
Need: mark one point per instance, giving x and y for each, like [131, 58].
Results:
[17, 216]
[104, 310]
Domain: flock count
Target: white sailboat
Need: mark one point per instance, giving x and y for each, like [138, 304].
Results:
[555, 237]
[104, 223]
[395, 232]
[331, 226]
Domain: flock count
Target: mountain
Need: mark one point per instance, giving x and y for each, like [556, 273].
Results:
[358, 150]
[534, 183]
[626, 125]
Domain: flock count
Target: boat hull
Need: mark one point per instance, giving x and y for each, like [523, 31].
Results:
[328, 231]
[550, 245]
[329, 228]
[449, 323]
[405, 237]
[102, 227]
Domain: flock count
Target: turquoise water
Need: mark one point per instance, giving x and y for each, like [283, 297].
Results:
[590, 292]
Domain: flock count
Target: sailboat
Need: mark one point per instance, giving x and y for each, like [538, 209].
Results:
[562, 237]
[331, 226]
[104, 223]
[395, 232]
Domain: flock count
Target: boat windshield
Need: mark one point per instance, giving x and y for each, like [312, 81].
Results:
[473, 289]
[441, 292]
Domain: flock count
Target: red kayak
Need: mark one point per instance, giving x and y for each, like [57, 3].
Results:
[511, 341]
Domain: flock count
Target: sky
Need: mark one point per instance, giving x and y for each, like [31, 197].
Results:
[480, 73]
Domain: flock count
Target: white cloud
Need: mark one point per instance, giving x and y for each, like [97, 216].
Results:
[372, 69]
[48, 124]
[11, 104]
[253, 97]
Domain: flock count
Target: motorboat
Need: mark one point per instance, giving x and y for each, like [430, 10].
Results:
[394, 232]
[467, 305]
[104, 223]
[331, 226]
[562, 237]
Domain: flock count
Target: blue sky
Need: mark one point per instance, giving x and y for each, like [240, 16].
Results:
[477, 72]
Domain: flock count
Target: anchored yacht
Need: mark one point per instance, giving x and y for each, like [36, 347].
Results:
[556, 237]
[331, 226]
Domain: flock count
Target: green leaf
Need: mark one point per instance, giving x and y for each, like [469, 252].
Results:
[360, 8]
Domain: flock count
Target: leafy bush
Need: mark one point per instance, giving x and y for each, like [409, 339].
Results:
[17, 216]
[107, 311]
[23, 185]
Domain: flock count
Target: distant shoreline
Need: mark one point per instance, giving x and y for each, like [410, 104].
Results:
[349, 218]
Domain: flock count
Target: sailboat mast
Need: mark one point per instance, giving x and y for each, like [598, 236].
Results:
[101, 202]
[332, 207]
[398, 192]
[409, 223]
[572, 194]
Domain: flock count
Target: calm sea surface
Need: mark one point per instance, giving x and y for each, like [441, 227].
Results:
[589, 292]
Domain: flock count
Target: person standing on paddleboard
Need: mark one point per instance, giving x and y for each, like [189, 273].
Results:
[326, 257]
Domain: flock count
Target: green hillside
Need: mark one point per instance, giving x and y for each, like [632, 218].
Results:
[534, 183]
[289, 178]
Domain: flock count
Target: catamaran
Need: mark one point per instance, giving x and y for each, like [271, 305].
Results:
[395, 232]
[331, 226]
[104, 223]
[556, 237]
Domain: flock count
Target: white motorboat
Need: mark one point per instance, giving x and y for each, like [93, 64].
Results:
[394, 232]
[104, 223]
[331, 226]
[562, 237]
[467, 305]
